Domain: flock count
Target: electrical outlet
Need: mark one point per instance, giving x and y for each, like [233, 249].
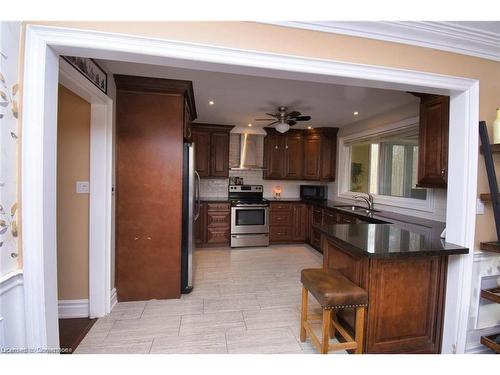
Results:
[479, 207]
[82, 187]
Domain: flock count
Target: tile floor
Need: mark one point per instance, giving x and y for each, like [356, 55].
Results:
[244, 301]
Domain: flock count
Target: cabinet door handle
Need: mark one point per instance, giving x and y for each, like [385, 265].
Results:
[443, 172]
[188, 133]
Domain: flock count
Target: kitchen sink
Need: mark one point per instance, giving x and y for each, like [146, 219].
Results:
[357, 209]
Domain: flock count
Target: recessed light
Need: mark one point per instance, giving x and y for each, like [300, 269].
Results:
[309, 127]
[211, 102]
[250, 125]
[356, 113]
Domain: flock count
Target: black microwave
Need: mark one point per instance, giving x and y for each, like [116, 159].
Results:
[315, 192]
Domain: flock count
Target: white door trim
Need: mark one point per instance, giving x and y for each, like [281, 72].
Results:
[38, 207]
[101, 133]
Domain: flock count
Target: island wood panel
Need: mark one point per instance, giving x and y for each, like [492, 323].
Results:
[149, 195]
[406, 299]
[406, 305]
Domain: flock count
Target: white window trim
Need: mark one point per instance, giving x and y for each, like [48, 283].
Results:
[344, 168]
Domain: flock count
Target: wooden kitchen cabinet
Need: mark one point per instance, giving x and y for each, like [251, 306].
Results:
[300, 154]
[150, 126]
[312, 144]
[288, 222]
[300, 222]
[433, 141]
[406, 297]
[293, 155]
[211, 149]
[273, 156]
[215, 223]
[201, 140]
[320, 148]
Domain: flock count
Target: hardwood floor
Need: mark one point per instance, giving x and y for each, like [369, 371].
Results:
[244, 301]
[72, 331]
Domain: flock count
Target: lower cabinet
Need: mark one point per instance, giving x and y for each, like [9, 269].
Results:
[405, 311]
[288, 222]
[213, 226]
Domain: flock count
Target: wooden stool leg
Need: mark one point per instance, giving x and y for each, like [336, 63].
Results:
[327, 322]
[360, 327]
[303, 315]
[332, 327]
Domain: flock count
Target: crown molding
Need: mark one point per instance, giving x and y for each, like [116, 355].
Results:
[443, 36]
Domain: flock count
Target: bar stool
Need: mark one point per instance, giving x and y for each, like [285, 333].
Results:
[333, 291]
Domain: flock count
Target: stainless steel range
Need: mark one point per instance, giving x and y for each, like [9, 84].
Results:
[249, 216]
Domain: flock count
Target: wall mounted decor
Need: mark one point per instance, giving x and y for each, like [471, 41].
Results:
[89, 68]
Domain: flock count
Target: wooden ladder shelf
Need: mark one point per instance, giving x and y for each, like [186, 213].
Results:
[492, 295]
[488, 150]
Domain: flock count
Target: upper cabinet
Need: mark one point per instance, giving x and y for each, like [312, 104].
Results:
[211, 143]
[433, 141]
[300, 154]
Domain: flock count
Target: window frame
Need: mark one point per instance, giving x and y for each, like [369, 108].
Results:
[344, 168]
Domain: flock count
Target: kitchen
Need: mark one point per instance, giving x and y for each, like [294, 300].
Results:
[287, 186]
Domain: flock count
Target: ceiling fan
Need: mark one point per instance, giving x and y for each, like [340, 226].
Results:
[284, 120]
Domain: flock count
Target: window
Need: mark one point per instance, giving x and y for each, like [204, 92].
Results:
[386, 165]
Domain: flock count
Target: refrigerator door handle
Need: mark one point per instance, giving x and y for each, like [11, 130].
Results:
[197, 195]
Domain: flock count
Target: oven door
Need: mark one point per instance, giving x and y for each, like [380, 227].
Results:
[249, 219]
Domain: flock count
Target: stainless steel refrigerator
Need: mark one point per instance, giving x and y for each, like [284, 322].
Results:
[190, 214]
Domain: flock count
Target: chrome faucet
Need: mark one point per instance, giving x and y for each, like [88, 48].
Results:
[368, 199]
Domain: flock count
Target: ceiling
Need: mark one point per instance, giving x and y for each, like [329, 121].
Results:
[240, 99]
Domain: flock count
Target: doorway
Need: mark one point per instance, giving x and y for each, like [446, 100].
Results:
[46, 44]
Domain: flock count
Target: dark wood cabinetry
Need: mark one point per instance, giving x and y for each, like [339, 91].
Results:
[300, 222]
[151, 124]
[288, 222]
[213, 225]
[406, 296]
[293, 156]
[433, 141]
[211, 149]
[300, 154]
[201, 140]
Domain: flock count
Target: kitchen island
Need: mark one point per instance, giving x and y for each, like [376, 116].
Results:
[404, 273]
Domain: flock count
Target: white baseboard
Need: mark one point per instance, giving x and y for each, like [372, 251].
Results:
[74, 308]
[114, 299]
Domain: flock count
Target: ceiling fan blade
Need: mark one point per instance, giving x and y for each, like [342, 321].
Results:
[272, 123]
[272, 114]
[265, 119]
[302, 118]
[293, 114]
[291, 122]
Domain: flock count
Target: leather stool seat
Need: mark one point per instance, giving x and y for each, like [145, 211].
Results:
[332, 289]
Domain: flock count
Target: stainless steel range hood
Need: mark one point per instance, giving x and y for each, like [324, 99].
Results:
[251, 149]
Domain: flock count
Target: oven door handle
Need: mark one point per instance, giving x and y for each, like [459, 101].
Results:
[251, 207]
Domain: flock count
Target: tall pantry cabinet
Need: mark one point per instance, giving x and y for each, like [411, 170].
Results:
[151, 125]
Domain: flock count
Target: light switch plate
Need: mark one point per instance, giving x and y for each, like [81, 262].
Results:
[82, 187]
[479, 207]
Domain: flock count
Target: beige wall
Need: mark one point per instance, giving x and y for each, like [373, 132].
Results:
[73, 164]
[263, 37]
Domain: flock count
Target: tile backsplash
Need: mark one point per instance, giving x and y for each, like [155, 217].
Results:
[218, 187]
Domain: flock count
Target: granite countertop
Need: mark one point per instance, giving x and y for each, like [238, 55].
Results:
[382, 241]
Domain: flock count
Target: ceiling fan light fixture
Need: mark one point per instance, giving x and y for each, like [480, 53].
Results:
[282, 127]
